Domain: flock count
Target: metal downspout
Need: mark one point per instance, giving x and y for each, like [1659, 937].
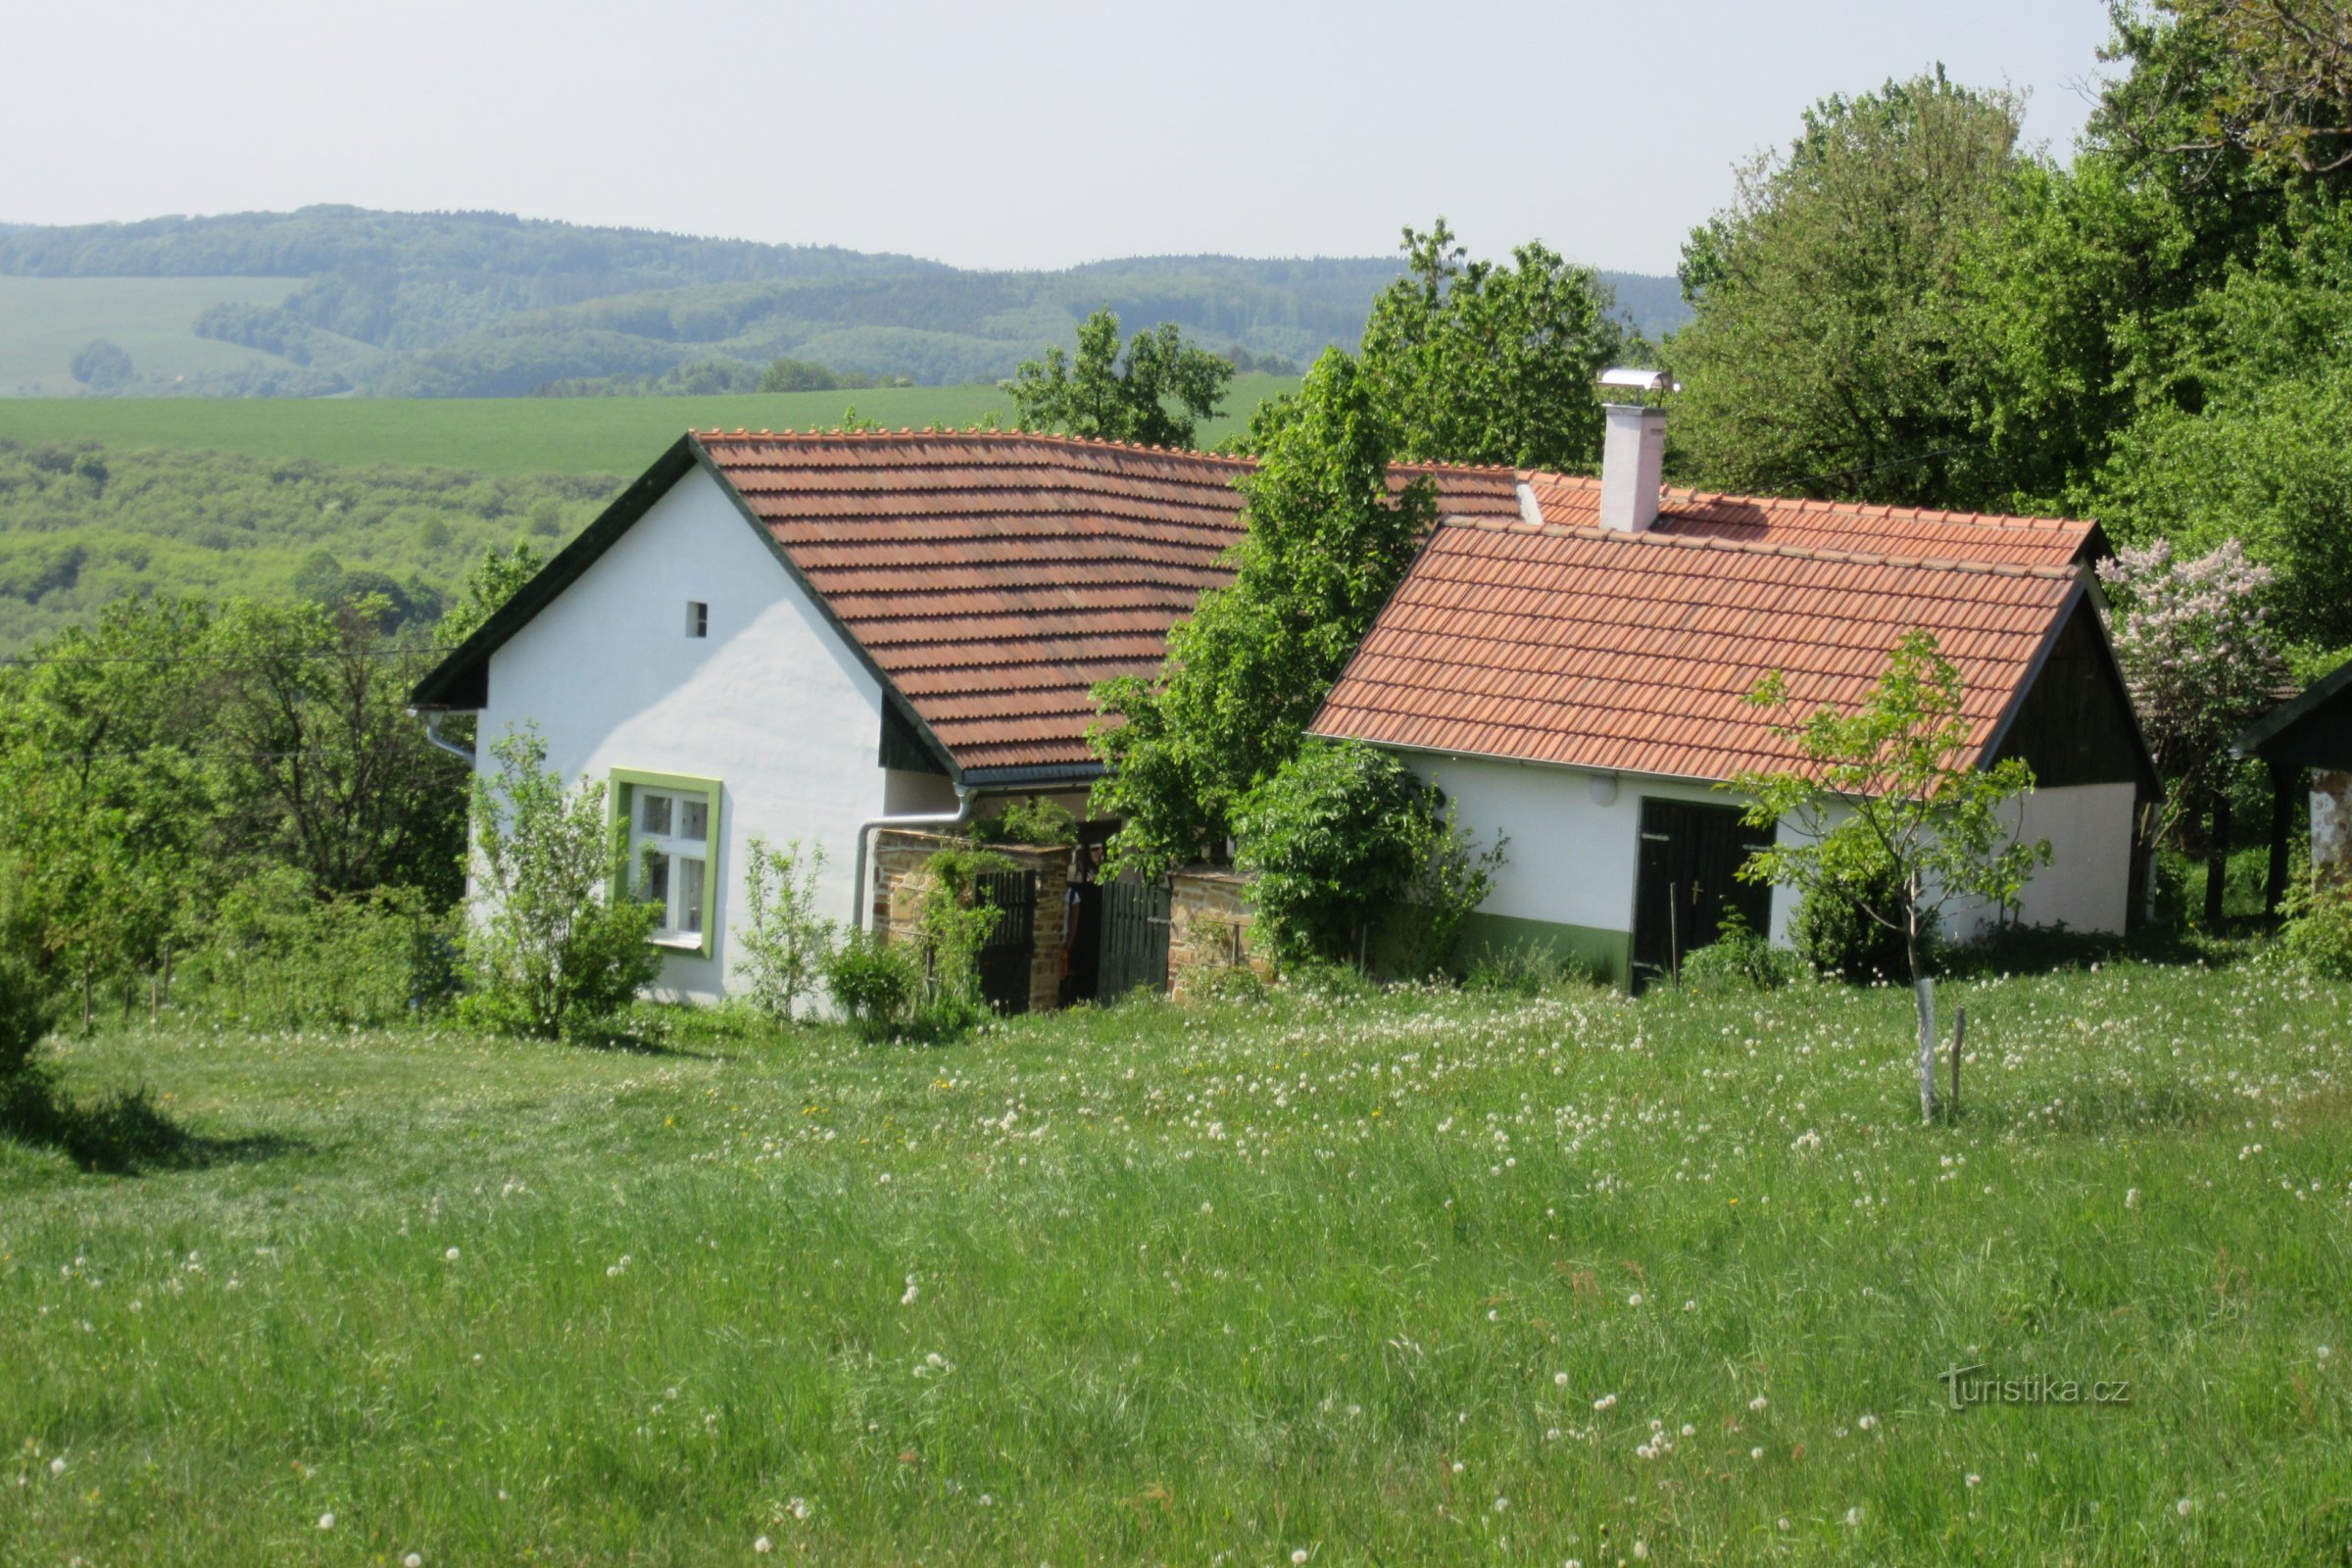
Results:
[964, 796]
[432, 732]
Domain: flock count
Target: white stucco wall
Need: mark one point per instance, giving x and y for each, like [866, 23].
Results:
[2087, 884]
[1574, 861]
[1571, 860]
[771, 704]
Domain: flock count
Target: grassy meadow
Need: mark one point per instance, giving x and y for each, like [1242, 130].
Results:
[1426, 1277]
[45, 321]
[616, 436]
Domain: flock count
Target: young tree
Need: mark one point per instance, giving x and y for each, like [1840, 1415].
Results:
[785, 943]
[493, 581]
[550, 945]
[1889, 797]
[2197, 651]
[1325, 541]
[1483, 362]
[1099, 397]
[1825, 357]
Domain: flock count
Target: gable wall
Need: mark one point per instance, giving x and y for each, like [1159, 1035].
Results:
[771, 704]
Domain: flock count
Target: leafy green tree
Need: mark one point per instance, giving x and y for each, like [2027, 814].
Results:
[320, 577]
[551, 948]
[494, 579]
[100, 364]
[321, 767]
[1828, 354]
[1156, 396]
[108, 860]
[1481, 361]
[1325, 540]
[1888, 798]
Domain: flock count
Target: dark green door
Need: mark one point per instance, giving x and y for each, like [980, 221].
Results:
[1688, 882]
[1135, 937]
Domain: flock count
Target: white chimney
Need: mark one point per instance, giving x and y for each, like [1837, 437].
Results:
[1633, 452]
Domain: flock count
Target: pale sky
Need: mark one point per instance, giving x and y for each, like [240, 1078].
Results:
[989, 135]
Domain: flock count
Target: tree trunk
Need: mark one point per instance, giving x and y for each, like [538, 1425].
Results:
[1922, 991]
[2217, 861]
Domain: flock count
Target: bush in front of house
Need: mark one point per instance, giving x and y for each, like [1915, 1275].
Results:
[551, 949]
[874, 983]
[1738, 959]
[1357, 860]
[1832, 936]
[278, 957]
[2318, 929]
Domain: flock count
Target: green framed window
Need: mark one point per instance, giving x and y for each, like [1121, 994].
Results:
[668, 828]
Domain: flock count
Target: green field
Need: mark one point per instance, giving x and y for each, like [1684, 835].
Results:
[45, 321]
[616, 436]
[1429, 1278]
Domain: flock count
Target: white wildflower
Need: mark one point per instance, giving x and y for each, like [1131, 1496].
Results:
[764, 1546]
[326, 1521]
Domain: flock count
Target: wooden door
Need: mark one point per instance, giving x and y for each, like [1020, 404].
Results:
[1689, 881]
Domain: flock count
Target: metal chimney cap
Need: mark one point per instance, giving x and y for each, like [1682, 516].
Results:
[1624, 379]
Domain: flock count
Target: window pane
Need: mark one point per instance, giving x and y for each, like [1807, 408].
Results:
[694, 820]
[654, 818]
[690, 895]
[656, 882]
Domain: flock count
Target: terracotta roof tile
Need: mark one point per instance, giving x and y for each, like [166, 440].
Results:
[996, 578]
[1632, 653]
[1913, 533]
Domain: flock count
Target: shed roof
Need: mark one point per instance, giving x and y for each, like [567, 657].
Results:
[2311, 730]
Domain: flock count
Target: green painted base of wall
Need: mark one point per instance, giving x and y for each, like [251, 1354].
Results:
[1607, 953]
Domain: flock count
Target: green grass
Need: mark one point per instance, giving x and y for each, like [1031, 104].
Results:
[1421, 1280]
[45, 321]
[504, 435]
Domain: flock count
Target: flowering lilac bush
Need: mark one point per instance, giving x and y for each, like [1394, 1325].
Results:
[2196, 646]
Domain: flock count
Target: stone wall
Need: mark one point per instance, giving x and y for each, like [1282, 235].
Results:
[899, 879]
[1208, 927]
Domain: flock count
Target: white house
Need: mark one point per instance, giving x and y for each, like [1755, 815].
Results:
[813, 637]
[1575, 678]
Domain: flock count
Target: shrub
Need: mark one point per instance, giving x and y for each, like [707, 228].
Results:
[551, 949]
[874, 983]
[280, 958]
[1738, 959]
[954, 923]
[27, 1013]
[785, 943]
[1833, 937]
[1527, 969]
[1034, 819]
[2319, 928]
[1343, 841]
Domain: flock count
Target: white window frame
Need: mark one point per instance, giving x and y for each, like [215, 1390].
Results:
[662, 864]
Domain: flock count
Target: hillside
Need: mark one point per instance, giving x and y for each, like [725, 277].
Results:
[110, 498]
[485, 304]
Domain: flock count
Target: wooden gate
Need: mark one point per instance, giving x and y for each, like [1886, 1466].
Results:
[1688, 882]
[1135, 937]
[1006, 957]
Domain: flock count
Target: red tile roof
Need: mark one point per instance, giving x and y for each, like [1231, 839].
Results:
[1906, 531]
[1632, 653]
[995, 577]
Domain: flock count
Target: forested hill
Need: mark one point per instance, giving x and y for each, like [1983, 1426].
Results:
[486, 304]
